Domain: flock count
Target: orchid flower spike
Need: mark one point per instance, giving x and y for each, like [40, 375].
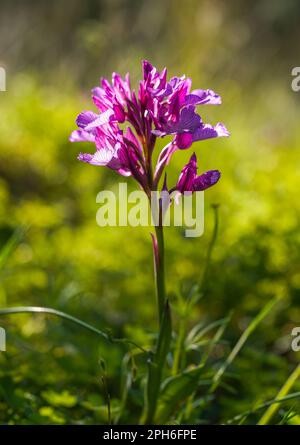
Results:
[161, 107]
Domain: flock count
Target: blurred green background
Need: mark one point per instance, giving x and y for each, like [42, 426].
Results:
[54, 53]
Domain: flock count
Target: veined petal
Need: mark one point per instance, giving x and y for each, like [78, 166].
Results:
[207, 131]
[85, 118]
[81, 136]
[100, 99]
[116, 164]
[188, 121]
[121, 87]
[202, 97]
[101, 157]
[222, 130]
[85, 157]
[101, 119]
[206, 180]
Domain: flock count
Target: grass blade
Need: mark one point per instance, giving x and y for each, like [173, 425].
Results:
[242, 340]
[267, 416]
[269, 403]
[83, 324]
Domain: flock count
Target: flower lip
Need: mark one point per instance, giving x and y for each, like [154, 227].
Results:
[202, 97]
[206, 180]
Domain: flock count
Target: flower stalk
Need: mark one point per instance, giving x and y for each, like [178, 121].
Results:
[156, 366]
[157, 362]
[160, 271]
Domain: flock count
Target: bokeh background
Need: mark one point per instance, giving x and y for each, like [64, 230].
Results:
[54, 53]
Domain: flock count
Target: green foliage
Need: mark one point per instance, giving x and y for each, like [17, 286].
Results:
[175, 390]
[53, 254]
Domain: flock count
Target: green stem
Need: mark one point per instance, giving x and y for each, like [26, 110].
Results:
[156, 366]
[157, 363]
[46, 310]
[160, 271]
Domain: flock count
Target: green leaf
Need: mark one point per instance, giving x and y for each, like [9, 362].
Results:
[174, 391]
[156, 365]
[242, 340]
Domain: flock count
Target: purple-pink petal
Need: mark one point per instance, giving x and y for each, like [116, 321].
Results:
[101, 119]
[119, 113]
[206, 180]
[147, 68]
[133, 140]
[161, 107]
[188, 121]
[85, 157]
[187, 175]
[202, 97]
[81, 136]
[184, 140]
[85, 118]
[207, 131]
[100, 157]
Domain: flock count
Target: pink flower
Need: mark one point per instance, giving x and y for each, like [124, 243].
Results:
[162, 107]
